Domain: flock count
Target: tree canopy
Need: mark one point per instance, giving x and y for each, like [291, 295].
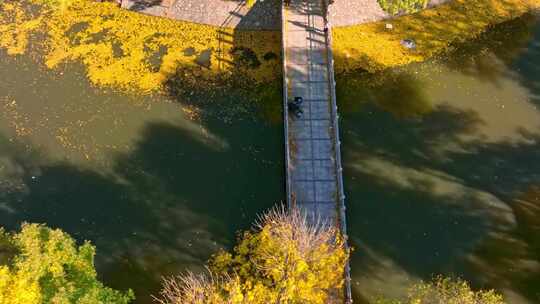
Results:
[284, 260]
[44, 265]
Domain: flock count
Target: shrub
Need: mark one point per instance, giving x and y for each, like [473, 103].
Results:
[395, 7]
[447, 291]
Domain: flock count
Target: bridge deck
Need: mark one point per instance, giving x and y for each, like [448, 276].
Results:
[314, 178]
[313, 168]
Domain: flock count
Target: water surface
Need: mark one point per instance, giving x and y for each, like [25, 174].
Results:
[442, 168]
[157, 183]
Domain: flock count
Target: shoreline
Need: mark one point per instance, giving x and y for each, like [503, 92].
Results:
[375, 46]
[360, 37]
[142, 53]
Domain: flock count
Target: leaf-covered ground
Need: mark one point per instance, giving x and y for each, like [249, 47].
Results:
[132, 51]
[374, 47]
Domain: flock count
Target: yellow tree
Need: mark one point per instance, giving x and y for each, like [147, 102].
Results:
[283, 260]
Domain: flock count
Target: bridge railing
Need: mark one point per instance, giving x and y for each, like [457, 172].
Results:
[337, 148]
[285, 107]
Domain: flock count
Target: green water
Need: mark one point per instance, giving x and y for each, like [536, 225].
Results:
[442, 168]
[155, 191]
[442, 165]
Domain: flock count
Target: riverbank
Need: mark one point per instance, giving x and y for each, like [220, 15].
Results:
[378, 45]
[365, 36]
[136, 52]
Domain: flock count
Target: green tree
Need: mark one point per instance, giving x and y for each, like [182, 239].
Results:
[395, 7]
[447, 291]
[43, 265]
[284, 260]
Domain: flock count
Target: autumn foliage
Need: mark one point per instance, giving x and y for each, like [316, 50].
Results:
[131, 51]
[284, 260]
[377, 46]
[447, 291]
[42, 265]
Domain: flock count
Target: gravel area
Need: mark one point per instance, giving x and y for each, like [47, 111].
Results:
[263, 15]
[351, 12]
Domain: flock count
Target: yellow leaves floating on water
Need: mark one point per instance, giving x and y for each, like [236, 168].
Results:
[375, 47]
[15, 26]
[17, 120]
[138, 52]
[128, 50]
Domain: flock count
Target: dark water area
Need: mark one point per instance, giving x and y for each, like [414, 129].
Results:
[442, 168]
[154, 189]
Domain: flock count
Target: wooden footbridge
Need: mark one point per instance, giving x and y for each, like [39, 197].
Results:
[312, 146]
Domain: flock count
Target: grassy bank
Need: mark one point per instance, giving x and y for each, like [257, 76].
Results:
[373, 47]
